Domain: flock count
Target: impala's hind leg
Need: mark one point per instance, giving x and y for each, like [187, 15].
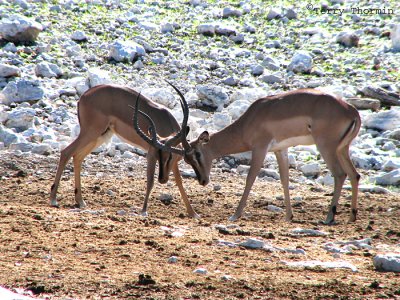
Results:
[79, 149]
[328, 153]
[66, 154]
[78, 159]
[348, 167]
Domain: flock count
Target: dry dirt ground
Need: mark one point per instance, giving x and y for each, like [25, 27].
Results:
[103, 254]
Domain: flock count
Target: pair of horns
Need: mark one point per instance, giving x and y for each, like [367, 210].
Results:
[153, 139]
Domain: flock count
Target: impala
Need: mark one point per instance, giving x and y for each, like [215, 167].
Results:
[105, 110]
[274, 123]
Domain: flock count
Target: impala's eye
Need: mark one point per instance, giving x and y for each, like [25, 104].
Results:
[198, 155]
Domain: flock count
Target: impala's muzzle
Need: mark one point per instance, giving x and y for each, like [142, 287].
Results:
[163, 173]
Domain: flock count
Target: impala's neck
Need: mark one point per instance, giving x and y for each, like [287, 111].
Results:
[229, 140]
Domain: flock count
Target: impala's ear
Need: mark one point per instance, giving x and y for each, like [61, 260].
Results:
[204, 138]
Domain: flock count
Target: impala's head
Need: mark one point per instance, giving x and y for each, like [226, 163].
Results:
[166, 150]
[166, 159]
[198, 156]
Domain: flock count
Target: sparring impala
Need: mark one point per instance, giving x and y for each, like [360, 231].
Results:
[274, 123]
[105, 110]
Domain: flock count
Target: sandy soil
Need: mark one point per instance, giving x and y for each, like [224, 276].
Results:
[109, 253]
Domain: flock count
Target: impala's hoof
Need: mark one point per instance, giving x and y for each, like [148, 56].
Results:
[82, 205]
[54, 203]
[144, 214]
[329, 222]
[195, 216]
[289, 219]
[352, 219]
[233, 218]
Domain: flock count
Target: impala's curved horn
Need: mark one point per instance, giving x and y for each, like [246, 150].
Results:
[153, 141]
[183, 132]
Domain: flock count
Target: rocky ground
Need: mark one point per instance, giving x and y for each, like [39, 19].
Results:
[109, 252]
[223, 55]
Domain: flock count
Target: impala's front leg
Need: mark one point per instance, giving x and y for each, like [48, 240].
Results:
[257, 160]
[178, 180]
[151, 168]
[283, 164]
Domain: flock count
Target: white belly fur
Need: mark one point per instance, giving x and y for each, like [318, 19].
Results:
[290, 142]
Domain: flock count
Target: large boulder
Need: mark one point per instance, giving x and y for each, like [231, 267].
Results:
[19, 29]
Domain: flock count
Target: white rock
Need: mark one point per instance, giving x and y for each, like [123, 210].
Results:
[385, 120]
[274, 208]
[390, 178]
[362, 160]
[201, 271]
[45, 69]
[79, 36]
[301, 62]
[8, 295]
[257, 70]
[388, 146]
[21, 91]
[231, 12]
[248, 94]
[272, 78]
[21, 119]
[236, 108]
[73, 50]
[311, 169]
[321, 264]
[387, 262]
[395, 37]
[252, 243]
[370, 189]
[165, 197]
[391, 164]
[308, 232]
[347, 39]
[7, 70]
[81, 84]
[206, 29]
[23, 147]
[98, 76]
[221, 120]
[225, 29]
[162, 96]
[173, 260]
[226, 277]
[242, 169]
[327, 179]
[17, 28]
[8, 136]
[148, 26]
[126, 51]
[212, 95]
[227, 243]
[167, 27]
[269, 173]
